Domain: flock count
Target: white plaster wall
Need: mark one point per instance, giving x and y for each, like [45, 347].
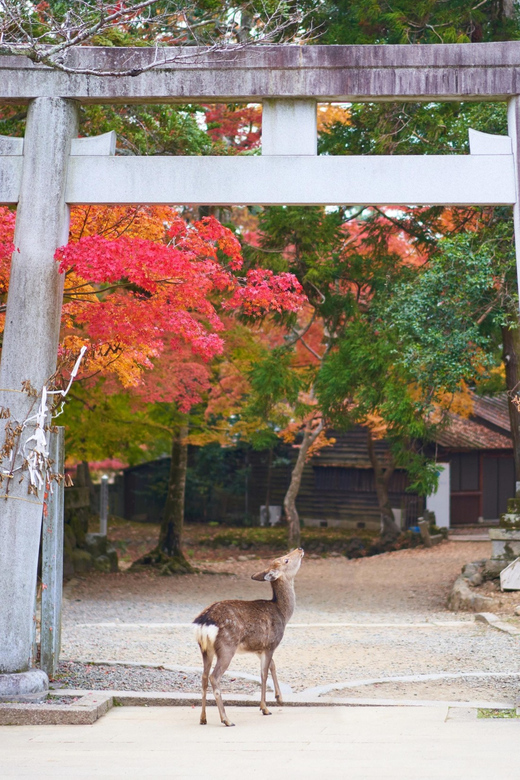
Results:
[439, 502]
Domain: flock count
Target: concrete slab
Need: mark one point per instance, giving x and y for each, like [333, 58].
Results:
[90, 706]
[358, 743]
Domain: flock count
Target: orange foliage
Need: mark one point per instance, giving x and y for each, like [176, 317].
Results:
[331, 114]
[113, 221]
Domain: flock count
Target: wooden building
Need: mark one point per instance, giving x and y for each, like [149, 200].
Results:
[480, 453]
[338, 487]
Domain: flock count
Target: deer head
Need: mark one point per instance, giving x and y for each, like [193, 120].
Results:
[287, 567]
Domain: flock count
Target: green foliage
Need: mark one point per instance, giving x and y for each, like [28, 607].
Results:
[103, 425]
[153, 129]
[435, 314]
[214, 467]
[273, 381]
[364, 382]
[426, 332]
[502, 714]
[411, 128]
[406, 21]
[301, 240]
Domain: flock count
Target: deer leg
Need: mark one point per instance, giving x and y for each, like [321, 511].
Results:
[224, 657]
[277, 691]
[265, 662]
[207, 658]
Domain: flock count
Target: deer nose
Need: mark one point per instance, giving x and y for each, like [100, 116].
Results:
[300, 549]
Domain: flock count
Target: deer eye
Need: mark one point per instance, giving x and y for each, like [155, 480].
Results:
[286, 560]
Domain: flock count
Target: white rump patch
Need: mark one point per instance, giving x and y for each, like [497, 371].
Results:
[205, 636]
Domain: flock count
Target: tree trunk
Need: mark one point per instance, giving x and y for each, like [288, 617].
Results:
[172, 525]
[289, 502]
[390, 530]
[511, 357]
[169, 554]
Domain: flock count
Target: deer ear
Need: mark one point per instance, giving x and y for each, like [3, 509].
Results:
[269, 575]
[260, 575]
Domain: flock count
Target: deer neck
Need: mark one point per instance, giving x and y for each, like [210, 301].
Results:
[284, 597]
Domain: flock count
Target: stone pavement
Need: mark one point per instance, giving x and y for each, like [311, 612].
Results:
[358, 743]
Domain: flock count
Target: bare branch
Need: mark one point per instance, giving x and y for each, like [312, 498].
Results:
[33, 31]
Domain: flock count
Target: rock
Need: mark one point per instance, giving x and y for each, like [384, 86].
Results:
[68, 565]
[102, 563]
[69, 537]
[76, 525]
[464, 599]
[95, 544]
[472, 573]
[355, 548]
[242, 558]
[475, 580]
[82, 561]
[114, 560]
[470, 569]
[77, 497]
[517, 610]
[493, 567]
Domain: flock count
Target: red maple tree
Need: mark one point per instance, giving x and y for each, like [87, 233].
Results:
[140, 281]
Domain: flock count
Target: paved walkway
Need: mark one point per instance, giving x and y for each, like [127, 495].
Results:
[416, 743]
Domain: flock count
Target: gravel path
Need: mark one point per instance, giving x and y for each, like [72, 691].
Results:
[376, 617]
[116, 677]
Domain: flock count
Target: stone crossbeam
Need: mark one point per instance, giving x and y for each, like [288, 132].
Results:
[481, 71]
[457, 180]
[297, 180]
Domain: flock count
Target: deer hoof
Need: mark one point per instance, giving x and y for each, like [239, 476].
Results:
[203, 720]
[227, 723]
[265, 711]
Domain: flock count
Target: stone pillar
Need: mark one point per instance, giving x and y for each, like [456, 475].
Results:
[29, 353]
[289, 127]
[513, 124]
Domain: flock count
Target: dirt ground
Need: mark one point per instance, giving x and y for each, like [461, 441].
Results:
[370, 619]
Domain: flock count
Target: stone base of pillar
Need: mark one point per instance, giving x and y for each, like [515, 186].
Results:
[24, 686]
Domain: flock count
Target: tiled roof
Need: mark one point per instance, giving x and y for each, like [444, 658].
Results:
[493, 409]
[473, 433]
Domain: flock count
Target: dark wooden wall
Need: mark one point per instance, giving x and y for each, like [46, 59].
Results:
[337, 484]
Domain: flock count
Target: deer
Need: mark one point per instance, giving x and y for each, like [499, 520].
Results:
[227, 627]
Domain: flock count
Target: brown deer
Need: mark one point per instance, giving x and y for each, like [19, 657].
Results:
[227, 627]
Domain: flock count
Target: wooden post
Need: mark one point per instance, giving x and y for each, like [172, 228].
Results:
[52, 561]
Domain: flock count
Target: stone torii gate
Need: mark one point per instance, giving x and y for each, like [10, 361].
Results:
[48, 170]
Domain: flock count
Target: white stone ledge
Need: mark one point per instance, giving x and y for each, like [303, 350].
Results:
[350, 180]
